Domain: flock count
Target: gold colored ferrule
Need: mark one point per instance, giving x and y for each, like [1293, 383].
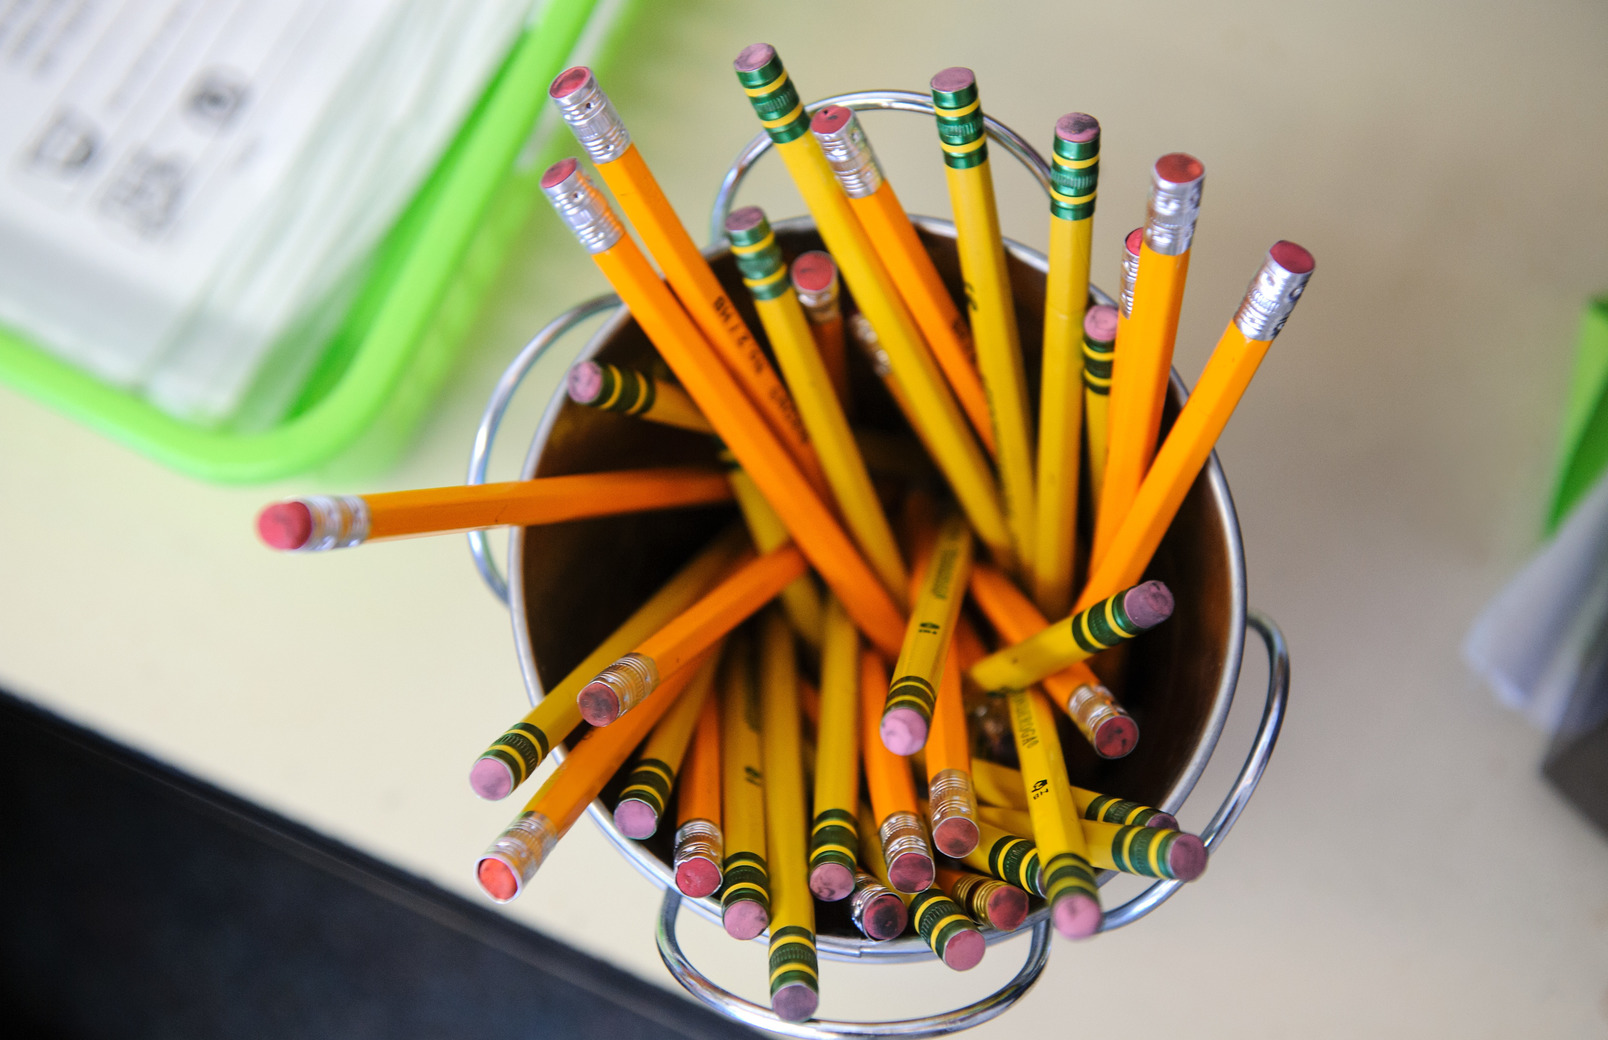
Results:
[631, 678]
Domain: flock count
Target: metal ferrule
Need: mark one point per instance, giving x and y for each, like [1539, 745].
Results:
[1171, 215]
[1092, 706]
[525, 845]
[1130, 277]
[583, 208]
[902, 834]
[866, 337]
[596, 125]
[849, 154]
[950, 795]
[339, 522]
[698, 839]
[867, 890]
[973, 891]
[631, 678]
[821, 306]
[1269, 300]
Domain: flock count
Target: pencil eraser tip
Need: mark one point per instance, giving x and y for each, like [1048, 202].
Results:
[697, 877]
[635, 818]
[491, 779]
[904, 731]
[1077, 128]
[1292, 257]
[794, 1002]
[1076, 915]
[1179, 168]
[911, 872]
[1100, 324]
[558, 172]
[1115, 737]
[744, 919]
[953, 79]
[1148, 604]
[830, 119]
[746, 219]
[585, 382]
[599, 704]
[1007, 908]
[1187, 857]
[754, 57]
[814, 271]
[955, 837]
[497, 879]
[965, 950]
[1163, 820]
[831, 881]
[885, 917]
[1135, 239]
[285, 525]
[569, 81]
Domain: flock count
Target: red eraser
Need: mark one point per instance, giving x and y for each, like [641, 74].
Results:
[557, 172]
[569, 81]
[285, 525]
[830, 119]
[1292, 257]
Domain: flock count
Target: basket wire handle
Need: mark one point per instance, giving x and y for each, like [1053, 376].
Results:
[1250, 774]
[864, 101]
[491, 419]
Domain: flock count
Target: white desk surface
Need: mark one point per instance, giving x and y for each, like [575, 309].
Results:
[1403, 870]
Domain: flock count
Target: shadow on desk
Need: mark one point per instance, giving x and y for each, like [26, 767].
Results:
[136, 901]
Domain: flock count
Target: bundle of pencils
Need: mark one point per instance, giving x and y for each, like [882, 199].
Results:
[824, 755]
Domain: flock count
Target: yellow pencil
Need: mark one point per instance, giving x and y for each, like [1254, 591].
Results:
[800, 599]
[647, 788]
[1162, 852]
[833, 841]
[514, 756]
[899, 247]
[765, 275]
[599, 129]
[907, 713]
[734, 417]
[1073, 174]
[794, 975]
[1099, 346]
[815, 279]
[745, 889]
[1002, 786]
[939, 920]
[1143, 362]
[1067, 879]
[939, 421]
[1268, 302]
[988, 295]
[610, 388]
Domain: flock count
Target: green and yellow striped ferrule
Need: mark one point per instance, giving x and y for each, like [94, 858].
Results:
[834, 838]
[771, 92]
[615, 389]
[939, 919]
[1103, 625]
[1008, 857]
[961, 133]
[650, 782]
[1098, 627]
[1105, 808]
[521, 749]
[1075, 167]
[744, 876]
[759, 258]
[1145, 851]
[1066, 874]
[1098, 353]
[792, 958]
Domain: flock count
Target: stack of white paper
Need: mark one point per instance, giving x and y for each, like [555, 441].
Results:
[189, 188]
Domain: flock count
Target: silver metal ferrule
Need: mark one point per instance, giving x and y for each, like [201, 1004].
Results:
[849, 154]
[1269, 300]
[631, 678]
[1092, 706]
[950, 796]
[583, 208]
[821, 305]
[867, 890]
[1171, 215]
[866, 336]
[698, 839]
[596, 125]
[1130, 277]
[902, 834]
[524, 846]
[339, 522]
